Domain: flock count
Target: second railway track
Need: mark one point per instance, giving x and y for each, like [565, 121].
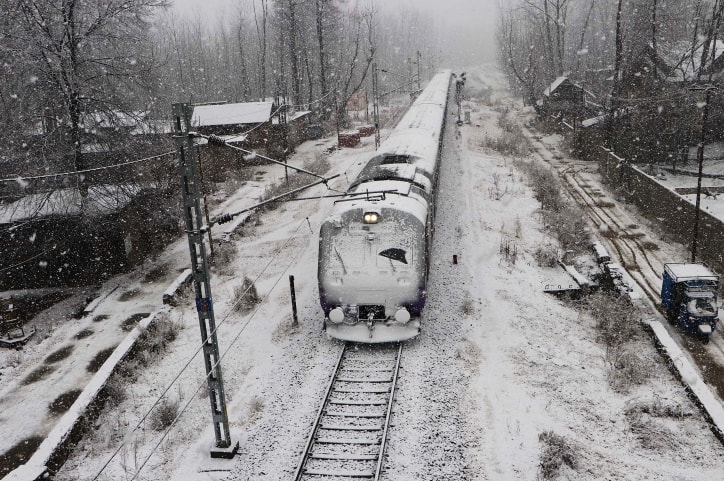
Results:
[349, 436]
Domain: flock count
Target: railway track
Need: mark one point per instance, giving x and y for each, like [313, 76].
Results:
[634, 255]
[630, 249]
[638, 260]
[349, 436]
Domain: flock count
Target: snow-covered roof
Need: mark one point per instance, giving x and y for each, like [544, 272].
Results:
[684, 63]
[552, 87]
[101, 200]
[593, 121]
[298, 115]
[690, 271]
[231, 114]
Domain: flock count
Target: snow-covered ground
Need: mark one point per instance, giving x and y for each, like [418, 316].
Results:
[499, 367]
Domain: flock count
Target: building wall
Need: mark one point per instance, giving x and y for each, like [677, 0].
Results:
[664, 207]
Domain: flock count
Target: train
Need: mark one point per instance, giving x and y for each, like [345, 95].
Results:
[374, 247]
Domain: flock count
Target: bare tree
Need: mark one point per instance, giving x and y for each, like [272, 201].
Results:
[361, 47]
[91, 56]
[262, 39]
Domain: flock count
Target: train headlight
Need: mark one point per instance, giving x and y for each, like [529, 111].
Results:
[402, 315]
[371, 217]
[336, 315]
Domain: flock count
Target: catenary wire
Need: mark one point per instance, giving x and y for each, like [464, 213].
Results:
[234, 340]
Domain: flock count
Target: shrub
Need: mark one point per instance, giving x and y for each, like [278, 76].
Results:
[246, 295]
[508, 143]
[224, 253]
[615, 318]
[627, 369]
[617, 323]
[155, 338]
[164, 415]
[319, 166]
[555, 452]
[546, 255]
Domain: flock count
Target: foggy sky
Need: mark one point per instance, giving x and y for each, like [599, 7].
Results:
[466, 26]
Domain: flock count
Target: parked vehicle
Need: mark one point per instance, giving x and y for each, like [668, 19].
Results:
[689, 296]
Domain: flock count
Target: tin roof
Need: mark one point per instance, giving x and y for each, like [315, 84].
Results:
[231, 114]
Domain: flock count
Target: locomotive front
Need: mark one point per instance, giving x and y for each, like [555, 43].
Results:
[372, 274]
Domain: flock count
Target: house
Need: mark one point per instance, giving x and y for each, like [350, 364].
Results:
[563, 98]
[60, 238]
[252, 126]
[661, 95]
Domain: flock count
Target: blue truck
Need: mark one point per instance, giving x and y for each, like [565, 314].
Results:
[689, 297]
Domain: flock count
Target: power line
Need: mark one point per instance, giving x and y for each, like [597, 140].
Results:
[232, 343]
[123, 164]
[84, 171]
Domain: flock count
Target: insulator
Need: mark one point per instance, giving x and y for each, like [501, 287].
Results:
[216, 140]
[224, 218]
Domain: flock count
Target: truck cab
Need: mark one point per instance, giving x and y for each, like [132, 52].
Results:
[689, 296]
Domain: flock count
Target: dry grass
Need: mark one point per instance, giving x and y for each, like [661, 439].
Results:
[319, 166]
[651, 422]
[561, 218]
[546, 255]
[246, 295]
[617, 322]
[164, 414]
[222, 261]
[556, 452]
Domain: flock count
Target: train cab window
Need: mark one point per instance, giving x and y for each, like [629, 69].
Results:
[395, 159]
[419, 190]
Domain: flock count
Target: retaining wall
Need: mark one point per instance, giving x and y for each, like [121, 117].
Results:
[664, 207]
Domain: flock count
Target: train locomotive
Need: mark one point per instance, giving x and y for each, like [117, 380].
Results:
[374, 248]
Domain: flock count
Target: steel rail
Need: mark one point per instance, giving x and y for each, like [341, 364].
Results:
[383, 445]
[335, 464]
[318, 422]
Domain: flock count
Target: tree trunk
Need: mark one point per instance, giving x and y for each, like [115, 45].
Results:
[320, 8]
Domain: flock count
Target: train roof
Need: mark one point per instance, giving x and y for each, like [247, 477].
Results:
[405, 200]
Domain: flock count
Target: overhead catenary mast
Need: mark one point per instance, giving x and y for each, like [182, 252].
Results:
[224, 446]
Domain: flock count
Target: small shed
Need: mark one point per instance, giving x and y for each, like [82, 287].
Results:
[234, 119]
[563, 97]
[253, 126]
[349, 138]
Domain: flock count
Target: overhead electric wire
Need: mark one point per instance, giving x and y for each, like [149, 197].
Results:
[195, 353]
[84, 171]
[222, 356]
[21, 178]
[226, 351]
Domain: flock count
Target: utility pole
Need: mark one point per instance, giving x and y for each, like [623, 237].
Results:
[419, 59]
[700, 158]
[281, 122]
[376, 105]
[224, 447]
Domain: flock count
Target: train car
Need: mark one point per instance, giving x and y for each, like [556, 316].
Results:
[374, 248]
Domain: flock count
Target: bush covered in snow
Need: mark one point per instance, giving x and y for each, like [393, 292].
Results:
[556, 452]
[617, 321]
[246, 295]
